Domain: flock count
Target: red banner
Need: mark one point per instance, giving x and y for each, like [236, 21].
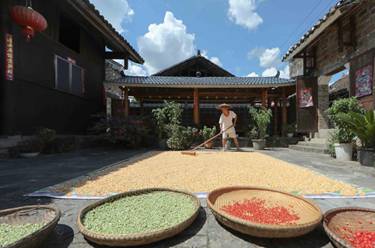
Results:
[9, 57]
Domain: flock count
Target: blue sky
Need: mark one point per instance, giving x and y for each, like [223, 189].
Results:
[246, 37]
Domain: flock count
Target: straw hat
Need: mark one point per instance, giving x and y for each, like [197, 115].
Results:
[224, 105]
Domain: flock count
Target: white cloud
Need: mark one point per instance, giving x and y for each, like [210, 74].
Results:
[115, 11]
[166, 43]
[214, 60]
[272, 71]
[255, 53]
[243, 13]
[136, 70]
[269, 72]
[270, 57]
[285, 72]
[253, 74]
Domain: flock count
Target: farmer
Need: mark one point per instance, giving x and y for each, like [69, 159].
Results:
[227, 119]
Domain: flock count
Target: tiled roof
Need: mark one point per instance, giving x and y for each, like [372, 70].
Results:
[202, 82]
[339, 5]
[196, 58]
[133, 53]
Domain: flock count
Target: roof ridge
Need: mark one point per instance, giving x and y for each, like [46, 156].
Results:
[192, 58]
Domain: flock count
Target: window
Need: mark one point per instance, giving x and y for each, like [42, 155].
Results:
[69, 34]
[69, 76]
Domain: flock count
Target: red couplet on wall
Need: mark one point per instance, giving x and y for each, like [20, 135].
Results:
[9, 57]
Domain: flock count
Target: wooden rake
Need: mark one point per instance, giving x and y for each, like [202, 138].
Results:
[193, 151]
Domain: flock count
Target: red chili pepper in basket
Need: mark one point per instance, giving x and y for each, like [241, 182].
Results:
[362, 239]
[255, 210]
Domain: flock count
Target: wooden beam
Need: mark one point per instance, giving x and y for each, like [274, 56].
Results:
[165, 94]
[264, 97]
[196, 107]
[118, 55]
[126, 102]
[115, 55]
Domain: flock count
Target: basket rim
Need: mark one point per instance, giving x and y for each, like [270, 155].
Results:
[135, 236]
[249, 224]
[48, 225]
[333, 211]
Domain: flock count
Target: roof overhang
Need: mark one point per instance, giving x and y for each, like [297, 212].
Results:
[113, 39]
[310, 36]
[318, 31]
[195, 86]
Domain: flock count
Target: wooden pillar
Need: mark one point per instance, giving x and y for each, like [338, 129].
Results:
[264, 97]
[284, 112]
[142, 111]
[276, 118]
[126, 102]
[196, 107]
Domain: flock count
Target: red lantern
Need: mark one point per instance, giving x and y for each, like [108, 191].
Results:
[30, 20]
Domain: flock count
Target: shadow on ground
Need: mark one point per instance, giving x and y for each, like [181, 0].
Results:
[314, 239]
[61, 237]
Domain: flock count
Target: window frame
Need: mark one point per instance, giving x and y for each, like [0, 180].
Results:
[71, 63]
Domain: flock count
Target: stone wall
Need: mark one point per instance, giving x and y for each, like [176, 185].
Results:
[323, 102]
[113, 71]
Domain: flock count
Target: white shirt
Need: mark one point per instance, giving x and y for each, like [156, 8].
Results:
[227, 121]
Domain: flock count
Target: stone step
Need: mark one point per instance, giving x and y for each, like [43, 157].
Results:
[309, 149]
[312, 144]
[319, 141]
[324, 133]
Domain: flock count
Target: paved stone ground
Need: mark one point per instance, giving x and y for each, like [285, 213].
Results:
[23, 176]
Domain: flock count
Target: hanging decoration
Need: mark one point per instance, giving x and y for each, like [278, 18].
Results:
[363, 81]
[306, 98]
[30, 20]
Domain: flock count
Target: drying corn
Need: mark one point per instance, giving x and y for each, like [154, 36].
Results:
[9, 234]
[206, 172]
[140, 214]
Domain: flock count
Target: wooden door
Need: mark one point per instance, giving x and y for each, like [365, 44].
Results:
[307, 101]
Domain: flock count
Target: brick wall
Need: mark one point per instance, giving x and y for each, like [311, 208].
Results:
[328, 56]
[323, 102]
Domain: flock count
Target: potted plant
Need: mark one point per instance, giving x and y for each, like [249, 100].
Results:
[169, 115]
[181, 137]
[363, 126]
[289, 129]
[208, 133]
[29, 148]
[261, 118]
[344, 134]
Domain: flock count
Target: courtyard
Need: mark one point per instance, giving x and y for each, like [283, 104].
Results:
[23, 176]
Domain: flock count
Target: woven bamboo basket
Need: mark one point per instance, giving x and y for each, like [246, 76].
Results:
[139, 238]
[352, 218]
[31, 215]
[309, 213]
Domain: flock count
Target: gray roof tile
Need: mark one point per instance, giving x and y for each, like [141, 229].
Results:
[202, 82]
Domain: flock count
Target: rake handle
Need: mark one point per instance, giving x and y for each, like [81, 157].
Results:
[211, 139]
